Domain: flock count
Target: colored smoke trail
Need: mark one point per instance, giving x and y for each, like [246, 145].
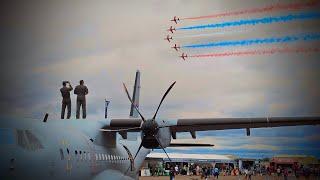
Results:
[259, 52]
[265, 20]
[248, 42]
[275, 7]
[212, 34]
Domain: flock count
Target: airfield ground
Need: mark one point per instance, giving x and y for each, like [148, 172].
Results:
[223, 178]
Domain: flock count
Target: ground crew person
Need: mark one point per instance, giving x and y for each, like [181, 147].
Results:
[81, 91]
[66, 101]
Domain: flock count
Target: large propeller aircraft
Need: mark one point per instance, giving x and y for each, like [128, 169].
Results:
[104, 149]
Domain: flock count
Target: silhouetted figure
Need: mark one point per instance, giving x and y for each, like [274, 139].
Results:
[66, 101]
[81, 91]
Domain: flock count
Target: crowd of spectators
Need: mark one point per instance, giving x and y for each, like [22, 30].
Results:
[207, 171]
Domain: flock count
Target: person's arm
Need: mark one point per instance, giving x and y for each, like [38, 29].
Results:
[86, 90]
[75, 91]
[70, 87]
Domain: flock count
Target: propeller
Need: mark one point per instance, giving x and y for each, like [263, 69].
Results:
[125, 88]
[149, 126]
[163, 97]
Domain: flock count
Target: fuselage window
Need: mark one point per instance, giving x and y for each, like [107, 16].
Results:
[75, 152]
[96, 156]
[68, 151]
[106, 157]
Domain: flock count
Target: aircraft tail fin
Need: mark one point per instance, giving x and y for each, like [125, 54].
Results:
[135, 96]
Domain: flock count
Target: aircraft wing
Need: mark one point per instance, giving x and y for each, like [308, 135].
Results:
[205, 124]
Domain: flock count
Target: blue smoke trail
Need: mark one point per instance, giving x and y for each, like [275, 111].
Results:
[248, 42]
[265, 20]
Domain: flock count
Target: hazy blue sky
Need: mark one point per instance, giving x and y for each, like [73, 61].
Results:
[105, 42]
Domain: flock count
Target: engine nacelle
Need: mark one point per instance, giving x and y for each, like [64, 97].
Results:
[162, 138]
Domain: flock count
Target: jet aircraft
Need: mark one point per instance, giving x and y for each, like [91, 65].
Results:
[168, 38]
[176, 47]
[101, 149]
[171, 29]
[175, 19]
[183, 56]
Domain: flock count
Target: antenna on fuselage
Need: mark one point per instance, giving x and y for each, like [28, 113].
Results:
[106, 108]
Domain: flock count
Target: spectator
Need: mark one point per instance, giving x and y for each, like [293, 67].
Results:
[279, 171]
[285, 174]
[216, 173]
[172, 173]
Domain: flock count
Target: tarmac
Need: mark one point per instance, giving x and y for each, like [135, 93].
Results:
[224, 178]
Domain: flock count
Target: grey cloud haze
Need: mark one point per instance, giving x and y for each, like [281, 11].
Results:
[104, 42]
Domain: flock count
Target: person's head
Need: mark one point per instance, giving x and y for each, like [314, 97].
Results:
[64, 83]
[81, 82]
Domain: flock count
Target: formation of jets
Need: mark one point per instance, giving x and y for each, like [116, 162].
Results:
[169, 38]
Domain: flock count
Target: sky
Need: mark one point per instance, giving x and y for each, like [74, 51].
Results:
[105, 42]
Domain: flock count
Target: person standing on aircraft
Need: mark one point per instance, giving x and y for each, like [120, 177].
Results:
[81, 91]
[66, 101]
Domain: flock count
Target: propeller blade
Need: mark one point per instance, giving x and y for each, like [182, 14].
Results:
[125, 88]
[164, 96]
[162, 148]
[138, 150]
[119, 130]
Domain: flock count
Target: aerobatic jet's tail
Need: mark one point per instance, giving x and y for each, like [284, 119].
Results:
[135, 96]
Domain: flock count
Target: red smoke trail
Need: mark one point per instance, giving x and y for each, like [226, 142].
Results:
[275, 7]
[258, 52]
